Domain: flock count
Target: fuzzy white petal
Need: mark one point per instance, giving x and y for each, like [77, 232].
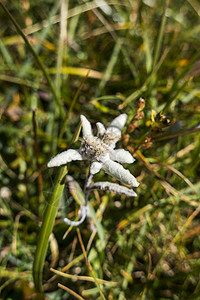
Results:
[117, 171]
[114, 188]
[86, 126]
[95, 167]
[119, 122]
[122, 156]
[114, 131]
[112, 136]
[64, 157]
[100, 129]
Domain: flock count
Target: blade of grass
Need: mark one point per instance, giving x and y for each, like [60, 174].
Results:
[185, 70]
[109, 28]
[70, 291]
[98, 225]
[176, 172]
[85, 278]
[135, 215]
[68, 266]
[35, 55]
[7, 57]
[103, 20]
[177, 134]
[36, 153]
[77, 10]
[71, 107]
[148, 80]
[6, 283]
[20, 81]
[109, 69]
[89, 265]
[160, 36]
[45, 29]
[131, 65]
[46, 229]
[163, 182]
[61, 42]
[155, 64]
[147, 51]
[41, 39]
[14, 274]
[58, 78]
[169, 102]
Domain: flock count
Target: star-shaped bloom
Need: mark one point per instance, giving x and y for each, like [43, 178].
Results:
[100, 151]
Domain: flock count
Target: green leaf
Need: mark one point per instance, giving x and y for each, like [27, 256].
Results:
[46, 229]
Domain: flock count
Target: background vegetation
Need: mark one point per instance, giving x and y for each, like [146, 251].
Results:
[146, 247]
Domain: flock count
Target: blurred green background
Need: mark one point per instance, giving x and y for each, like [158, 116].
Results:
[146, 247]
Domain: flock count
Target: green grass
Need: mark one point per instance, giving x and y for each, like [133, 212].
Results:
[146, 247]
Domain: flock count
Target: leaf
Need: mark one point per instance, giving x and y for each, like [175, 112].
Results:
[75, 190]
[46, 229]
[113, 188]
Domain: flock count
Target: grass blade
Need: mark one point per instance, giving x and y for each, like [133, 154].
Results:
[110, 67]
[61, 43]
[169, 102]
[70, 291]
[71, 107]
[160, 36]
[89, 265]
[98, 225]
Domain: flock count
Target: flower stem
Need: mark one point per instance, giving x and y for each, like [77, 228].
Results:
[87, 187]
[84, 209]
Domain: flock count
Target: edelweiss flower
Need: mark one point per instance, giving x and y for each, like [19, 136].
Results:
[99, 150]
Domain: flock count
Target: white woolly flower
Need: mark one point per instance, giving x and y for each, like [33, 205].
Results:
[99, 150]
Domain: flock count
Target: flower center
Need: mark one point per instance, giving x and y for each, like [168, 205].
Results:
[94, 148]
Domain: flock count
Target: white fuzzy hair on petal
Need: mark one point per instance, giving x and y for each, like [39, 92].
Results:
[117, 171]
[86, 126]
[64, 157]
[114, 188]
[121, 156]
[119, 122]
[100, 129]
[95, 167]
